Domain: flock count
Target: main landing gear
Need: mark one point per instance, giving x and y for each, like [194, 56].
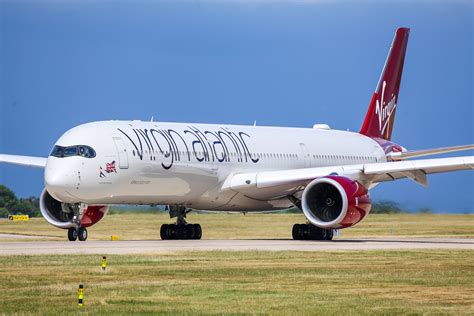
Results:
[181, 229]
[175, 231]
[310, 232]
[77, 233]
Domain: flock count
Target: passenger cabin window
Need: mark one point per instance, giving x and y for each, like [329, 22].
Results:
[69, 151]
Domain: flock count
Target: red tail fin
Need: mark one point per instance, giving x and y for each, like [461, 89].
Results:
[378, 122]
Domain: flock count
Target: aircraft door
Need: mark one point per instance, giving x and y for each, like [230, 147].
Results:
[305, 155]
[122, 152]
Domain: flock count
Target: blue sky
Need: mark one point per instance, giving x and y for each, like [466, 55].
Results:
[284, 63]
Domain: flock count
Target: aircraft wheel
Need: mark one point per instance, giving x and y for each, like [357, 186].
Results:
[82, 234]
[315, 233]
[72, 234]
[190, 231]
[307, 232]
[310, 232]
[296, 232]
[329, 234]
[171, 232]
[197, 231]
[164, 232]
[182, 232]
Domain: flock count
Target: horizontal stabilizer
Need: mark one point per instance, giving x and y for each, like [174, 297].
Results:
[427, 152]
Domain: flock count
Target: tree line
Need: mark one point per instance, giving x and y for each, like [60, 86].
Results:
[11, 205]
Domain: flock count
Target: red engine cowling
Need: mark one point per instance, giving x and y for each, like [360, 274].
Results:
[62, 215]
[335, 202]
[92, 214]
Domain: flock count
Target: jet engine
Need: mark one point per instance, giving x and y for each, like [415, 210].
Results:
[66, 215]
[335, 202]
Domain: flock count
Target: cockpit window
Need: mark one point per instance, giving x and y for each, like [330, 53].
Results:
[69, 151]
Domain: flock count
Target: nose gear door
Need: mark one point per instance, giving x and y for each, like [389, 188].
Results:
[122, 152]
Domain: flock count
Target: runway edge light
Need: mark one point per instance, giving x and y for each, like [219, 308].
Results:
[104, 263]
[80, 295]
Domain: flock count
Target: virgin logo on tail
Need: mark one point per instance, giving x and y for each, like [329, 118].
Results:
[385, 110]
[380, 116]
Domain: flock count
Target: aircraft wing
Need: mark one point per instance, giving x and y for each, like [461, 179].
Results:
[275, 184]
[416, 169]
[29, 161]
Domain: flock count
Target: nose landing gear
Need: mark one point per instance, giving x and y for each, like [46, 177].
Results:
[73, 234]
[181, 229]
[73, 212]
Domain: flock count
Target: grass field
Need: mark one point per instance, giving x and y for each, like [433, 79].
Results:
[136, 226]
[328, 283]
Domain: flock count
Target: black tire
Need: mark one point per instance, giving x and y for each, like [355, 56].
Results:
[307, 232]
[197, 231]
[72, 234]
[190, 231]
[183, 232]
[82, 234]
[315, 233]
[296, 232]
[163, 232]
[170, 231]
[329, 234]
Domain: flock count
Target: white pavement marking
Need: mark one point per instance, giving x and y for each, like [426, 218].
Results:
[21, 236]
[168, 246]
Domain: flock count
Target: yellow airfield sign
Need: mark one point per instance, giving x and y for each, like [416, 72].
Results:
[17, 218]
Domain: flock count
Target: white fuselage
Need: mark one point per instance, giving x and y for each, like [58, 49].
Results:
[177, 163]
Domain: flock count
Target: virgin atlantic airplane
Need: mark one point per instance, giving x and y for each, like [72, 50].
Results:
[324, 172]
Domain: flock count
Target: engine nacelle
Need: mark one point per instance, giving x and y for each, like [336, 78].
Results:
[64, 215]
[335, 202]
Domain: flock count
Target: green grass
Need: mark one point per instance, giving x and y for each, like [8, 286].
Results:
[130, 226]
[329, 283]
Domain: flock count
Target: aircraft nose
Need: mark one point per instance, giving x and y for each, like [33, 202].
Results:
[58, 179]
[55, 180]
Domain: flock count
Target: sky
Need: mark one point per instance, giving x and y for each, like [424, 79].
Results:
[280, 63]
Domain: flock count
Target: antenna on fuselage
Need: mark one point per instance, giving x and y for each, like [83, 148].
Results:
[255, 123]
[151, 119]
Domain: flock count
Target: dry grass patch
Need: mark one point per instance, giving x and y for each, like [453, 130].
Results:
[139, 226]
[342, 282]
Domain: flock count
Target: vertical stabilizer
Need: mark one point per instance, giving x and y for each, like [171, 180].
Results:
[379, 120]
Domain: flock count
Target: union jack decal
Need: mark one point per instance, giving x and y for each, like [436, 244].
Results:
[110, 167]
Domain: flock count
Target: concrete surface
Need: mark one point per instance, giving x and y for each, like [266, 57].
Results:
[168, 246]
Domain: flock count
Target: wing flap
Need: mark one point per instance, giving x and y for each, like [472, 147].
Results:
[28, 161]
[427, 165]
[273, 184]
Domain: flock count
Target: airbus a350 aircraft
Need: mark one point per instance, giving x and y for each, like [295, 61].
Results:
[326, 173]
